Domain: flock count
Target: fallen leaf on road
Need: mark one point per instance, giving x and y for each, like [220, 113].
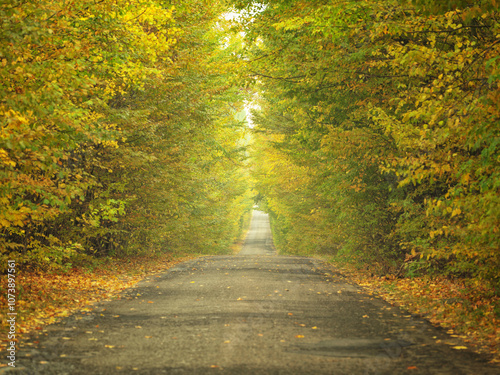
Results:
[459, 347]
[109, 346]
[412, 368]
[300, 336]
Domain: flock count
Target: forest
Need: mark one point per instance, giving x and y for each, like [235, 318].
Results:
[378, 132]
[372, 140]
[121, 131]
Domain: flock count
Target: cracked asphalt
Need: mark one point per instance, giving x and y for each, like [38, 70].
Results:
[252, 313]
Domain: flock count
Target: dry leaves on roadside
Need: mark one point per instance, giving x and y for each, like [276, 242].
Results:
[466, 308]
[45, 298]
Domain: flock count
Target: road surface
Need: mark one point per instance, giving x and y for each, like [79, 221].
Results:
[253, 313]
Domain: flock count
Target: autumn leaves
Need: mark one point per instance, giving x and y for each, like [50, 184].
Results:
[119, 132]
[378, 131]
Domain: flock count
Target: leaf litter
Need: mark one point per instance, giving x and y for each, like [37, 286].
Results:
[45, 298]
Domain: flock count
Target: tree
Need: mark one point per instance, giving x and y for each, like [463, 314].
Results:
[114, 115]
[390, 112]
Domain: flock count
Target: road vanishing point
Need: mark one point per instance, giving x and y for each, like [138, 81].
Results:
[251, 313]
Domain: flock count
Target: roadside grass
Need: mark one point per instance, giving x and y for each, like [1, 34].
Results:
[45, 297]
[466, 309]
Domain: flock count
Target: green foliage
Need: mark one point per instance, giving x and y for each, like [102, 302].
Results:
[378, 130]
[440, 7]
[118, 129]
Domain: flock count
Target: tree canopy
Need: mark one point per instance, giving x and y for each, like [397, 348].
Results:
[121, 129]
[378, 130]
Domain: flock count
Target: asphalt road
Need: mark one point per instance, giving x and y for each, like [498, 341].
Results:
[253, 313]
